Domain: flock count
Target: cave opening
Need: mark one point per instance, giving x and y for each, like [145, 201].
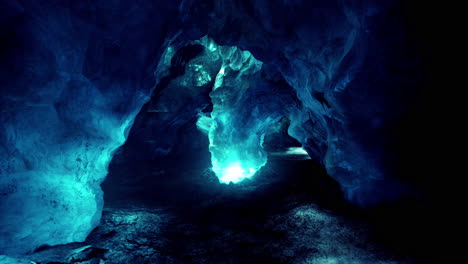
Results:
[251, 131]
[175, 172]
[213, 122]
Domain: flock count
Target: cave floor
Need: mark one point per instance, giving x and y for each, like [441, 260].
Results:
[306, 234]
[265, 220]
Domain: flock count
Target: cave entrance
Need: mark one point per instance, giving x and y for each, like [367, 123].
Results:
[215, 117]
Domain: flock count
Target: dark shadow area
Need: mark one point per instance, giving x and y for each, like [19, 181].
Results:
[214, 221]
[219, 223]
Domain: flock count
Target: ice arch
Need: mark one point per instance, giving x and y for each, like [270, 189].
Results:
[75, 74]
[236, 126]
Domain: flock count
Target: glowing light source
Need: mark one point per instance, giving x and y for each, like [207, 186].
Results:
[234, 127]
[235, 173]
[296, 151]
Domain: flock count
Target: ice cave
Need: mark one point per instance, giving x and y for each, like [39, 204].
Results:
[228, 131]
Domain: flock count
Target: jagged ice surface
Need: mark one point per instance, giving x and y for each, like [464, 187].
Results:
[76, 74]
[235, 127]
[69, 96]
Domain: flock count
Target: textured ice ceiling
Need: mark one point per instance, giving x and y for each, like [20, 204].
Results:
[75, 74]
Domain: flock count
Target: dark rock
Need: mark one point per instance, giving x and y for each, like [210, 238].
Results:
[87, 253]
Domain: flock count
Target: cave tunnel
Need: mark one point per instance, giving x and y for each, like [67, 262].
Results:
[246, 131]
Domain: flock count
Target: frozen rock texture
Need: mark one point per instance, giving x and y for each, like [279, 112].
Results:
[9, 260]
[72, 81]
[75, 74]
[126, 235]
[349, 85]
[339, 58]
[144, 235]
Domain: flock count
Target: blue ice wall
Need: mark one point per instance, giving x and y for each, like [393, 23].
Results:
[73, 77]
[166, 125]
[237, 124]
[352, 72]
[75, 73]
[232, 98]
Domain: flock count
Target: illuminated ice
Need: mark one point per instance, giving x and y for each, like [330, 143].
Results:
[54, 157]
[234, 173]
[296, 151]
[236, 126]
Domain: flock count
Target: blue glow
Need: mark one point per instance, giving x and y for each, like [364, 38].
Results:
[235, 127]
[296, 151]
[234, 173]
